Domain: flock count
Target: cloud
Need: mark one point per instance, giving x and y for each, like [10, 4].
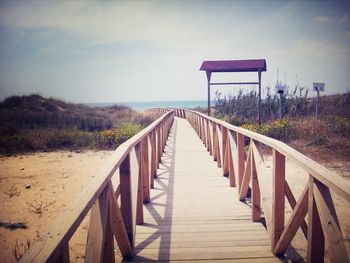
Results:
[344, 19]
[323, 19]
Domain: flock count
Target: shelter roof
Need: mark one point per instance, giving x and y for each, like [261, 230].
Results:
[249, 65]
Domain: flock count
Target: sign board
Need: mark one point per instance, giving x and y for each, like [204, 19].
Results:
[280, 89]
[318, 86]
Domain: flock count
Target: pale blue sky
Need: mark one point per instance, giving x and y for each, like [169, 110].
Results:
[84, 51]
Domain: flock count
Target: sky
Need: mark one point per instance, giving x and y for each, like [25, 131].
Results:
[119, 51]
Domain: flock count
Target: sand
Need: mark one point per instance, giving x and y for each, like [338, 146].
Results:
[57, 178]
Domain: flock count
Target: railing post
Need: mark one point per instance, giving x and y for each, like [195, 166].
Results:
[256, 207]
[100, 233]
[225, 152]
[204, 131]
[208, 137]
[315, 237]
[145, 170]
[159, 146]
[153, 157]
[215, 148]
[217, 145]
[126, 199]
[139, 201]
[278, 199]
[240, 154]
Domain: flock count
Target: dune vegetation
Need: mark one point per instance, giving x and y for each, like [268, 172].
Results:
[327, 137]
[34, 123]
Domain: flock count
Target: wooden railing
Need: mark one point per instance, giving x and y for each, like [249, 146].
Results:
[114, 213]
[239, 153]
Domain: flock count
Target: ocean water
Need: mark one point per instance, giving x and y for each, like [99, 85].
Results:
[141, 106]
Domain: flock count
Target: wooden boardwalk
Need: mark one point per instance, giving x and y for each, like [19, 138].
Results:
[194, 215]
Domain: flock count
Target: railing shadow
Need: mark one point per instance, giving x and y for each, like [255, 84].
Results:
[164, 183]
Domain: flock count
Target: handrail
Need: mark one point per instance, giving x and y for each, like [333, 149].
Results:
[245, 167]
[137, 170]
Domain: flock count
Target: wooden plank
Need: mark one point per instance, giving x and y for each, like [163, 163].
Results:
[145, 166]
[64, 255]
[215, 142]
[234, 159]
[153, 157]
[330, 224]
[232, 179]
[159, 145]
[278, 199]
[256, 209]
[219, 146]
[315, 237]
[97, 228]
[265, 183]
[240, 160]
[139, 201]
[126, 198]
[225, 152]
[292, 202]
[118, 227]
[294, 221]
[108, 247]
[246, 177]
[208, 141]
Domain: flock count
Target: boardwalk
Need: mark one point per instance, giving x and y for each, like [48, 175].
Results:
[194, 214]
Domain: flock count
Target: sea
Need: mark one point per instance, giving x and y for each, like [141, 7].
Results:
[142, 106]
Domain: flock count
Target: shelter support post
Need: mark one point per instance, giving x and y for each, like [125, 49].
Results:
[259, 76]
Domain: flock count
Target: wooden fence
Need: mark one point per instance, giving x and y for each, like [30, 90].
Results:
[114, 213]
[239, 153]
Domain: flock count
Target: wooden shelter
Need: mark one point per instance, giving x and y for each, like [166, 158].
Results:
[250, 65]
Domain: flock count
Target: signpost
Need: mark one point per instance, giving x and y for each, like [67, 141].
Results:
[280, 90]
[318, 87]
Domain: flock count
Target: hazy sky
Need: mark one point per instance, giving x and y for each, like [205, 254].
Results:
[112, 51]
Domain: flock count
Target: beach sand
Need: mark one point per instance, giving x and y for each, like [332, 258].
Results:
[57, 178]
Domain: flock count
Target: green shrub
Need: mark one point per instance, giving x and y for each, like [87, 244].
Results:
[126, 131]
[281, 129]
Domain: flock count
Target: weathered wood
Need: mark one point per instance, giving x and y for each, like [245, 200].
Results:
[232, 179]
[240, 162]
[64, 255]
[247, 176]
[209, 140]
[265, 183]
[219, 146]
[139, 204]
[154, 158]
[145, 170]
[330, 224]
[234, 159]
[126, 198]
[256, 210]
[315, 237]
[108, 247]
[159, 145]
[292, 202]
[98, 228]
[118, 227]
[294, 221]
[278, 179]
[215, 142]
[225, 152]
